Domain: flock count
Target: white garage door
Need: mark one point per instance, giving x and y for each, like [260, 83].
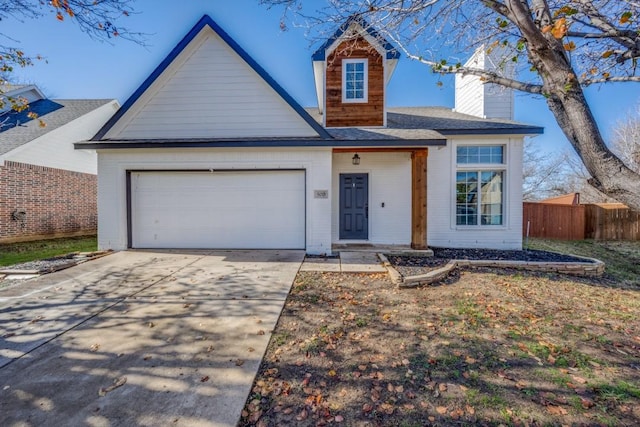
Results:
[235, 210]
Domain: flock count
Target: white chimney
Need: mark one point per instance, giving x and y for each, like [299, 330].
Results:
[486, 100]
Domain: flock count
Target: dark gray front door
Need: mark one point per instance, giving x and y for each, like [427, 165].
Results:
[354, 206]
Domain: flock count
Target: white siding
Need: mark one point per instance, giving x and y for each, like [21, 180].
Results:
[208, 91]
[469, 95]
[55, 148]
[441, 225]
[469, 90]
[389, 183]
[476, 98]
[113, 164]
[498, 102]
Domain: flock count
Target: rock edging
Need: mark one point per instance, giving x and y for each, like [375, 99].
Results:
[590, 268]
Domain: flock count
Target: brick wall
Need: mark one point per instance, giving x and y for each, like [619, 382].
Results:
[56, 202]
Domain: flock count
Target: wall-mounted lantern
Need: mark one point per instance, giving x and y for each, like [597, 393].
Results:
[355, 159]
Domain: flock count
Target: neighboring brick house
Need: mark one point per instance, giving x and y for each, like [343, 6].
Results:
[48, 189]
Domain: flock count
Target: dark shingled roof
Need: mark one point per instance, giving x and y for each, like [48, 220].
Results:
[411, 123]
[406, 126]
[55, 113]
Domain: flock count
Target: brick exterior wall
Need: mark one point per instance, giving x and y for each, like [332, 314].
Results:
[56, 202]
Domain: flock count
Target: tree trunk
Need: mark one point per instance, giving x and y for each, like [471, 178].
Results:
[566, 101]
[609, 174]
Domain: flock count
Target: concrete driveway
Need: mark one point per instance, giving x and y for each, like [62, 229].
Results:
[140, 338]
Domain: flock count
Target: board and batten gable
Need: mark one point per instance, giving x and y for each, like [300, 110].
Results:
[442, 230]
[369, 113]
[209, 91]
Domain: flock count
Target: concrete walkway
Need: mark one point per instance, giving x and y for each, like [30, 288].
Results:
[140, 338]
[347, 262]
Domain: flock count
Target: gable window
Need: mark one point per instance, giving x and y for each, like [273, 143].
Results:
[354, 80]
[480, 178]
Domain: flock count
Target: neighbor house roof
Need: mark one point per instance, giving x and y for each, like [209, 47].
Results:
[20, 129]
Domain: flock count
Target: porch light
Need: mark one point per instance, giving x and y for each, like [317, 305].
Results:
[355, 159]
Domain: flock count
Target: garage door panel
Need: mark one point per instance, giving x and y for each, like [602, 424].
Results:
[248, 210]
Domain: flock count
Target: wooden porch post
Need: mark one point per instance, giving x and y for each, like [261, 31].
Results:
[419, 199]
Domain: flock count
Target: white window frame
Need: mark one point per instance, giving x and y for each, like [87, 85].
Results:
[365, 98]
[478, 168]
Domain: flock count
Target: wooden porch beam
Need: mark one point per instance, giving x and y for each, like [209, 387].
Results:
[419, 198]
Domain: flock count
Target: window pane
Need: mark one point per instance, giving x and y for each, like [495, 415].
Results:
[491, 197]
[466, 198]
[479, 197]
[354, 80]
[484, 154]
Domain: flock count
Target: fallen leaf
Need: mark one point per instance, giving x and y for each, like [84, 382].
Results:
[578, 379]
[367, 407]
[118, 382]
[387, 408]
[339, 418]
[239, 362]
[441, 410]
[586, 403]
[302, 415]
[204, 379]
[556, 410]
[260, 332]
[94, 347]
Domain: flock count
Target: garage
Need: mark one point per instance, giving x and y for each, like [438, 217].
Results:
[258, 209]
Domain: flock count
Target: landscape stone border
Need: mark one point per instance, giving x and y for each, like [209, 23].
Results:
[73, 258]
[591, 267]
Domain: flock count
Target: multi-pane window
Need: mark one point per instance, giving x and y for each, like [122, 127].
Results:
[354, 80]
[480, 185]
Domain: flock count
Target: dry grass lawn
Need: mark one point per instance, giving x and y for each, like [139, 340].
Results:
[486, 348]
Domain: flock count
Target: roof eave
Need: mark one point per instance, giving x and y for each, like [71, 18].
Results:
[502, 131]
[141, 144]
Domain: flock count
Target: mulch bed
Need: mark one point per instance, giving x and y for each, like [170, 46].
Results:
[416, 265]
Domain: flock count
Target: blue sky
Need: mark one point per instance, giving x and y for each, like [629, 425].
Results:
[79, 67]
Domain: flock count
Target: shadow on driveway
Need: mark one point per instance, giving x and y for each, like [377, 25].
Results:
[141, 338]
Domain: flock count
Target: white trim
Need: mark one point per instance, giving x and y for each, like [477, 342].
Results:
[365, 97]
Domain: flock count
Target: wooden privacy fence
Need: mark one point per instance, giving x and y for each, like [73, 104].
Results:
[579, 222]
[605, 223]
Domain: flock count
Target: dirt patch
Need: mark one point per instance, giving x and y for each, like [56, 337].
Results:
[488, 348]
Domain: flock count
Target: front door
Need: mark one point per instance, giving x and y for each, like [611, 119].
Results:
[354, 206]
